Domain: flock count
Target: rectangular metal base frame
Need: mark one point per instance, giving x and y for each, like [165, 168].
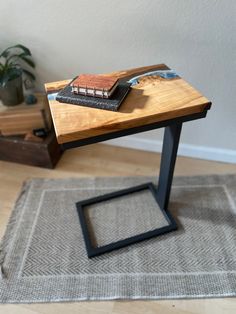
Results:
[95, 251]
[162, 194]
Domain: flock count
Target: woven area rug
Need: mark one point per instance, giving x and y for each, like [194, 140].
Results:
[43, 257]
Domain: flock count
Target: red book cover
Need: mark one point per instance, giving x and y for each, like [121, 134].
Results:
[97, 82]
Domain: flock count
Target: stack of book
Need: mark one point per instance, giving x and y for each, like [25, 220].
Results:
[97, 91]
[94, 85]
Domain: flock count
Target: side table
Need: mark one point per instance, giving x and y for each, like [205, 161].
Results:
[159, 98]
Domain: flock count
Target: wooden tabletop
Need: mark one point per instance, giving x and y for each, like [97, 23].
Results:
[159, 94]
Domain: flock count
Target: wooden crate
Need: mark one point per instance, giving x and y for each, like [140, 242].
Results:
[44, 154]
[23, 118]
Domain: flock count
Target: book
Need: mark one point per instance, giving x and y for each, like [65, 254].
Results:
[66, 95]
[94, 85]
[24, 118]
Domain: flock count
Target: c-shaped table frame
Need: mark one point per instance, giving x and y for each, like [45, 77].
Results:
[161, 194]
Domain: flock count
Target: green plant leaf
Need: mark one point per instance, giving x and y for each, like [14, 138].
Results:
[25, 49]
[6, 52]
[21, 56]
[11, 74]
[16, 56]
[28, 61]
[12, 67]
[31, 75]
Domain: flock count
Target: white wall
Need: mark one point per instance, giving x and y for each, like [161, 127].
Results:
[196, 38]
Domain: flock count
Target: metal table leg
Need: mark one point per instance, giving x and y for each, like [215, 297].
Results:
[168, 158]
[161, 195]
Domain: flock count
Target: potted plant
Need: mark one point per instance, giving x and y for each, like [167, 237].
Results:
[11, 72]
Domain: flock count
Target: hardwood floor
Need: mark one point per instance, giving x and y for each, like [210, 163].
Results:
[104, 160]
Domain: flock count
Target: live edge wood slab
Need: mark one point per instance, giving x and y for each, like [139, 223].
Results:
[153, 99]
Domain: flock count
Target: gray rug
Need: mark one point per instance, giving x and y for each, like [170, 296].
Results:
[43, 257]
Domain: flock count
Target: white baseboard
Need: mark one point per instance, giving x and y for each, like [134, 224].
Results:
[202, 152]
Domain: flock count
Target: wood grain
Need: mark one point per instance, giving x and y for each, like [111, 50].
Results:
[102, 160]
[153, 100]
[24, 118]
[44, 153]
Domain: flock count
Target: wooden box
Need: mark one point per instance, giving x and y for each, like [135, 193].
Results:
[24, 118]
[44, 154]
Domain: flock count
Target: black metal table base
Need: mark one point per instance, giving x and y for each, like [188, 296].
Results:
[162, 194]
[95, 251]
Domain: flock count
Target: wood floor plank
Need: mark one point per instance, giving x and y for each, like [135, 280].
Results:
[222, 306]
[16, 309]
[76, 307]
